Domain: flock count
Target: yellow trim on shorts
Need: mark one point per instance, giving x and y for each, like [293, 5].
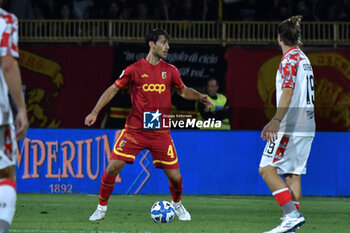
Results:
[165, 162]
[124, 155]
[117, 142]
[116, 145]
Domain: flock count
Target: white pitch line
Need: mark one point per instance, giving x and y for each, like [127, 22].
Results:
[61, 231]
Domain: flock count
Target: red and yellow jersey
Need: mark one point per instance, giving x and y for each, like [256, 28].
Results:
[150, 89]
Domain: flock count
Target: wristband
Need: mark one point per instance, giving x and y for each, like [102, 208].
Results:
[275, 118]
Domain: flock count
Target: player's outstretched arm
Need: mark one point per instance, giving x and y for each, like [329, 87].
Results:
[12, 76]
[103, 101]
[191, 94]
[270, 130]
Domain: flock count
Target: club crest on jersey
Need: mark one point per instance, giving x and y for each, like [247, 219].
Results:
[151, 120]
[163, 75]
[121, 145]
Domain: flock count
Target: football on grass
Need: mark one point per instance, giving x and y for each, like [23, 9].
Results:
[162, 212]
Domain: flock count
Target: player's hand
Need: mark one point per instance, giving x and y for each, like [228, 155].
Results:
[270, 130]
[21, 124]
[207, 102]
[91, 119]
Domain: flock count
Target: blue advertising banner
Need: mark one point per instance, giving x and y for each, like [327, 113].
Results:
[211, 162]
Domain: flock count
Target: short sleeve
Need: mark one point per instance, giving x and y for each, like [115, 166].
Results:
[176, 80]
[124, 79]
[289, 73]
[9, 38]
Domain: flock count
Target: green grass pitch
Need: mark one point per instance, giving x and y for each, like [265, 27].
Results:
[61, 213]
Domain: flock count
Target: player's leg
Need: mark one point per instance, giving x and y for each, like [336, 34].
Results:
[294, 184]
[175, 186]
[108, 180]
[175, 183]
[8, 197]
[165, 157]
[106, 188]
[276, 157]
[124, 151]
[279, 189]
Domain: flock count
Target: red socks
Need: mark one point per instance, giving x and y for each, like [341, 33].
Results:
[282, 196]
[108, 182]
[106, 188]
[176, 190]
[9, 182]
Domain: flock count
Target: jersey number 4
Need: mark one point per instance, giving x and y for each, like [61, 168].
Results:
[170, 152]
[310, 89]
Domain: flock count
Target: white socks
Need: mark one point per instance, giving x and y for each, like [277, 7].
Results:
[103, 207]
[176, 203]
[7, 201]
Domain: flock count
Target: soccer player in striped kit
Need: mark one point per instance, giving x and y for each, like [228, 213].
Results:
[10, 82]
[150, 80]
[291, 131]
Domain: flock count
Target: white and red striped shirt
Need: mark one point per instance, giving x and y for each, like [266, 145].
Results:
[8, 47]
[295, 72]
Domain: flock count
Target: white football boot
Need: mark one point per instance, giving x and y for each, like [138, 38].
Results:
[291, 230]
[181, 212]
[99, 213]
[288, 224]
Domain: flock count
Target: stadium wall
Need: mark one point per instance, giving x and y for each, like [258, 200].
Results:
[212, 162]
[57, 79]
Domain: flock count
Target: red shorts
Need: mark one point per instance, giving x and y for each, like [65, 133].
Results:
[132, 141]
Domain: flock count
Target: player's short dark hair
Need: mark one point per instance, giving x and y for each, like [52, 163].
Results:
[154, 34]
[290, 31]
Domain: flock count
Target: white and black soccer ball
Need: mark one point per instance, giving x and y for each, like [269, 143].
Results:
[162, 212]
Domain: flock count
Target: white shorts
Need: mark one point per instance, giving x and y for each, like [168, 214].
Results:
[8, 146]
[288, 153]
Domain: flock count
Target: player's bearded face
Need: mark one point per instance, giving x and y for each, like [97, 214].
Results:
[161, 47]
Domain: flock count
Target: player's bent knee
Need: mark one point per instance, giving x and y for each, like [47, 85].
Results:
[175, 179]
[4, 226]
[265, 172]
[173, 175]
[261, 171]
[111, 170]
[114, 167]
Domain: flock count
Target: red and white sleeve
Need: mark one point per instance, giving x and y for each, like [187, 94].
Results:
[289, 73]
[9, 38]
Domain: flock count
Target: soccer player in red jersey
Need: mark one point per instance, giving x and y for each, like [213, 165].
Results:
[150, 81]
